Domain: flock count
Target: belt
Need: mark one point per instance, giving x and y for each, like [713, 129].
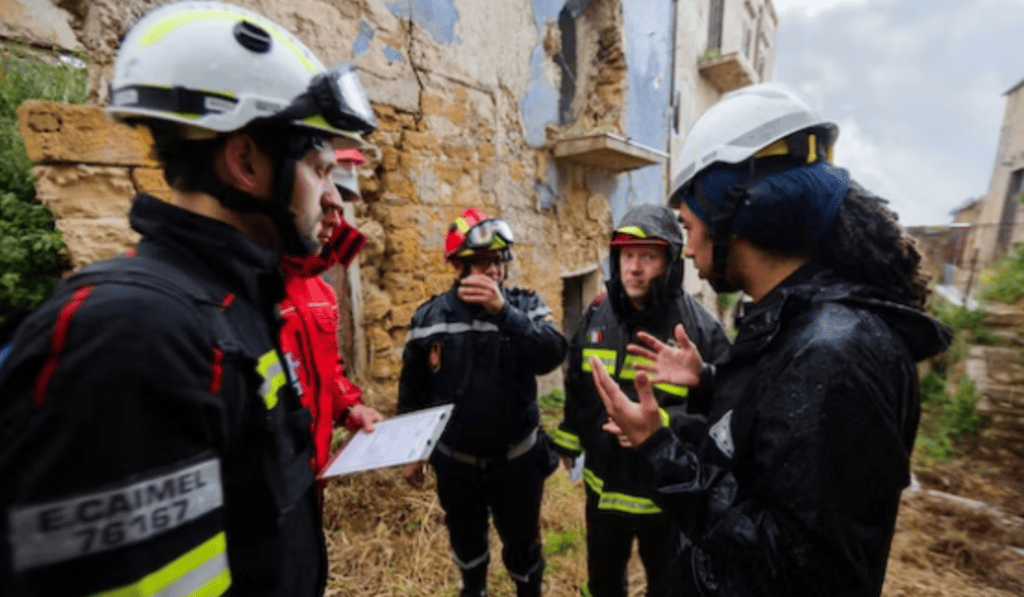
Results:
[514, 452]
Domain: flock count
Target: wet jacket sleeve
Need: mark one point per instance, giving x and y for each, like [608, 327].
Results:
[113, 448]
[828, 467]
[583, 408]
[413, 392]
[529, 321]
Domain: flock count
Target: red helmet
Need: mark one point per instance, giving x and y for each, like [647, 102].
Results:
[474, 231]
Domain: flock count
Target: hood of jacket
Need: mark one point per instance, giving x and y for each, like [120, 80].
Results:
[343, 247]
[924, 335]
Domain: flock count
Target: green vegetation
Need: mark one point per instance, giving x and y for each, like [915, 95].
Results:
[1003, 282]
[947, 415]
[31, 249]
[948, 395]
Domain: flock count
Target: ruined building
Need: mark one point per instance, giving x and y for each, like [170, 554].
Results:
[999, 222]
[557, 115]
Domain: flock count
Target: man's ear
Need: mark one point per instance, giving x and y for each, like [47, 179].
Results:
[244, 166]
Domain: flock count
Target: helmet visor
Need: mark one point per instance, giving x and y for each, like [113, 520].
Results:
[494, 233]
[338, 97]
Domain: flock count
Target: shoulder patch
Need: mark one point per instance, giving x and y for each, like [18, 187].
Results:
[599, 299]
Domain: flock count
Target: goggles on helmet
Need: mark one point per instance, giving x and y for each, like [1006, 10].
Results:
[493, 233]
[338, 96]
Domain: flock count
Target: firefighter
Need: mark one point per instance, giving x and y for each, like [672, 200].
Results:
[480, 347]
[644, 294]
[309, 319]
[792, 484]
[153, 443]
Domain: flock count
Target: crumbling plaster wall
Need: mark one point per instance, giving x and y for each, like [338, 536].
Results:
[447, 79]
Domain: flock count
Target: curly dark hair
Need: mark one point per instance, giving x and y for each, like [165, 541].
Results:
[868, 245]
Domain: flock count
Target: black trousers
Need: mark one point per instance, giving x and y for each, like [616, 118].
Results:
[610, 543]
[511, 491]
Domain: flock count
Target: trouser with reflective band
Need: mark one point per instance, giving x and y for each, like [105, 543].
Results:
[511, 491]
[610, 537]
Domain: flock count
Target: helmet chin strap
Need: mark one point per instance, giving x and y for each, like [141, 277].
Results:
[278, 206]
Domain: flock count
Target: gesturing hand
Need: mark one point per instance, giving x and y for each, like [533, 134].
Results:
[679, 366]
[636, 422]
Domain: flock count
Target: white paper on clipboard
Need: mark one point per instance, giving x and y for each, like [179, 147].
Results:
[405, 438]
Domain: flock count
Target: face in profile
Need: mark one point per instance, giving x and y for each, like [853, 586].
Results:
[316, 204]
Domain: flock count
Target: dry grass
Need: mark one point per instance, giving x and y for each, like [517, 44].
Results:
[386, 538]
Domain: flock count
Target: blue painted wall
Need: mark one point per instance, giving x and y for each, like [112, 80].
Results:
[648, 38]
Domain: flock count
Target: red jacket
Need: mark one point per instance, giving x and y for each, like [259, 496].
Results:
[309, 337]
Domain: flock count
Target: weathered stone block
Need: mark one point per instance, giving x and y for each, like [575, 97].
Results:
[403, 288]
[401, 315]
[81, 134]
[376, 304]
[84, 191]
[92, 239]
[38, 23]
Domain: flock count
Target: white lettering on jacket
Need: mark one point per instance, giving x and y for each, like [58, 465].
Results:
[64, 529]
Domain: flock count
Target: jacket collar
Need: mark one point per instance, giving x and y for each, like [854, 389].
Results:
[225, 254]
[346, 242]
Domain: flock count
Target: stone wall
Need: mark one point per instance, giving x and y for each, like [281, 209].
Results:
[450, 81]
[999, 375]
[450, 136]
[88, 168]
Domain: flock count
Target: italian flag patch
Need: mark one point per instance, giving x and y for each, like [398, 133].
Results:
[596, 336]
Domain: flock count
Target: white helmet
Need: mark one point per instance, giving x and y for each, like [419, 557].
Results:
[742, 123]
[219, 67]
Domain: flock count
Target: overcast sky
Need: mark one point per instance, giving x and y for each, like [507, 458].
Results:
[916, 86]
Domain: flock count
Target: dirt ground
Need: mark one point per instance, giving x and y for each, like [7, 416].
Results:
[386, 538]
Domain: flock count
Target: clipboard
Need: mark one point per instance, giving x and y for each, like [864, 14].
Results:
[406, 438]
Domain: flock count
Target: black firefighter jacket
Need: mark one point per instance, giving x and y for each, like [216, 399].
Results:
[151, 439]
[485, 365]
[791, 487]
[612, 472]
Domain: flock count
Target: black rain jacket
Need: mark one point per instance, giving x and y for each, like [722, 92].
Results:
[612, 472]
[485, 365]
[151, 436]
[792, 484]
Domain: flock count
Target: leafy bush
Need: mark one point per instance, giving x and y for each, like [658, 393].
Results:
[555, 399]
[31, 257]
[30, 254]
[1004, 281]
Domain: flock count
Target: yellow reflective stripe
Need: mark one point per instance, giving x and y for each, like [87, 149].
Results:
[781, 147]
[585, 589]
[595, 483]
[778, 148]
[629, 366]
[664, 417]
[680, 391]
[629, 504]
[605, 355]
[270, 369]
[462, 225]
[632, 231]
[566, 440]
[178, 20]
[176, 578]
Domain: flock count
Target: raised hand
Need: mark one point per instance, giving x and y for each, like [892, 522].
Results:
[679, 366]
[630, 420]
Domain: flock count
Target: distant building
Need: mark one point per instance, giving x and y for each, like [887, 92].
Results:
[999, 224]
